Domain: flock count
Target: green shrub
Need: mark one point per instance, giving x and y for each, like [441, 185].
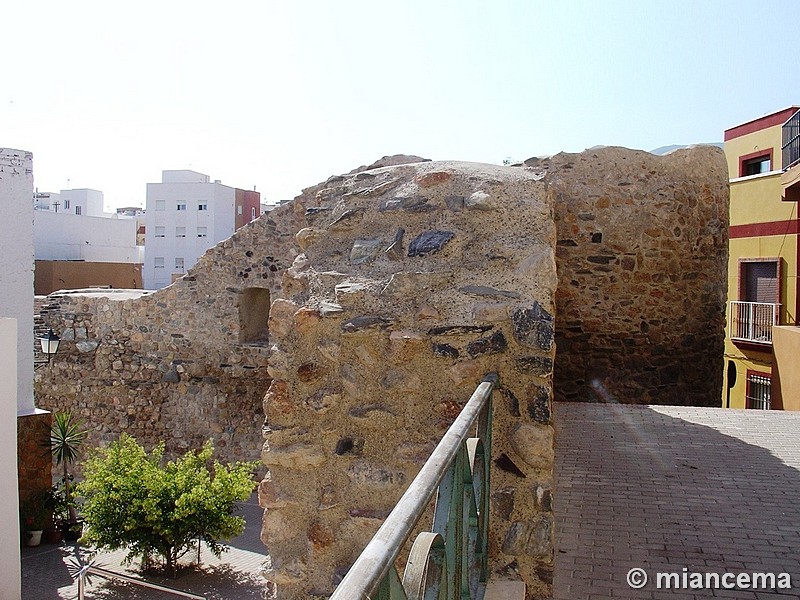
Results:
[134, 501]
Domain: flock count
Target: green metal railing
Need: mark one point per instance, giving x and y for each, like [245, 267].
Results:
[450, 561]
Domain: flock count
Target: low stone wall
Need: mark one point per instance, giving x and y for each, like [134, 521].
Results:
[642, 262]
[414, 282]
[183, 364]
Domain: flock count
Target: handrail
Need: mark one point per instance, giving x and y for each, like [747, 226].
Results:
[89, 569]
[459, 470]
[753, 321]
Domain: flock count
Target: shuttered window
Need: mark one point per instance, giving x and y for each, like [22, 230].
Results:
[760, 281]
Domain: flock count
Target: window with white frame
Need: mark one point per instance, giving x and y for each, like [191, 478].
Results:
[202, 232]
[180, 232]
[181, 205]
[77, 210]
[202, 206]
[161, 205]
[160, 232]
[179, 264]
[239, 209]
[252, 213]
[759, 390]
[66, 204]
[158, 262]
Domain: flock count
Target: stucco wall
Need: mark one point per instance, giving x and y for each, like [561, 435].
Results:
[785, 374]
[61, 236]
[16, 263]
[9, 507]
[51, 276]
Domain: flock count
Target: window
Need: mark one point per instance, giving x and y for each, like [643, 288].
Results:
[759, 390]
[239, 209]
[252, 213]
[160, 205]
[180, 232]
[757, 310]
[758, 280]
[77, 210]
[179, 264]
[202, 231]
[202, 206]
[755, 163]
[181, 205]
[158, 262]
[160, 231]
[66, 204]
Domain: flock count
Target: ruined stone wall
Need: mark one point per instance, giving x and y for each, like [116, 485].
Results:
[173, 364]
[642, 256]
[414, 282]
[393, 291]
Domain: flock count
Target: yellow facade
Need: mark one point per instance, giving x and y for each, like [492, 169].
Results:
[763, 227]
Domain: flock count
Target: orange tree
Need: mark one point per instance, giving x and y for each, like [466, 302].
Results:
[134, 500]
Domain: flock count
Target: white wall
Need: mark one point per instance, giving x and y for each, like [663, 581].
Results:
[192, 189]
[64, 236]
[89, 201]
[16, 263]
[46, 200]
[10, 589]
[183, 176]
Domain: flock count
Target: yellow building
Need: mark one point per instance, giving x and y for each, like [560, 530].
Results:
[762, 342]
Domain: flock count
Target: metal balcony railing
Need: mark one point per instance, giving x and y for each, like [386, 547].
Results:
[791, 141]
[450, 561]
[753, 321]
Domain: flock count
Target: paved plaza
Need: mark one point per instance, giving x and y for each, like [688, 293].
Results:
[48, 571]
[657, 488]
[668, 488]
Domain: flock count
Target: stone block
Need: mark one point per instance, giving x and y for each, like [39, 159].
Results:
[530, 538]
[533, 444]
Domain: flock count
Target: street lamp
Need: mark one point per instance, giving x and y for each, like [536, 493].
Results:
[49, 344]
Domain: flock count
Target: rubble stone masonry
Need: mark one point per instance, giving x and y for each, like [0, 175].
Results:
[339, 336]
[642, 250]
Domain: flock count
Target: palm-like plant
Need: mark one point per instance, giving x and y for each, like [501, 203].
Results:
[66, 437]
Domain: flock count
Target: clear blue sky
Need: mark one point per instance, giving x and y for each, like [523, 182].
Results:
[283, 94]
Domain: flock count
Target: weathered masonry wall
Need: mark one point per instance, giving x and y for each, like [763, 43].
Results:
[414, 282]
[358, 318]
[641, 257]
[182, 364]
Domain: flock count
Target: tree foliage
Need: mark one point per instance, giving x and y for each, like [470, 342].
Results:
[136, 501]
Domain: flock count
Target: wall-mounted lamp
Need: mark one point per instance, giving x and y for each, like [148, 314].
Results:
[49, 344]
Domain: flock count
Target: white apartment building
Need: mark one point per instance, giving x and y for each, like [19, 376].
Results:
[186, 215]
[80, 202]
[71, 225]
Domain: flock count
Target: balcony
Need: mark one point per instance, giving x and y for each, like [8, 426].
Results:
[752, 321]
[790, 180]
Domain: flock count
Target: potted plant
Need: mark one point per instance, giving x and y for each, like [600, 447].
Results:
[67, 435]
[58, 513]
[34, 518]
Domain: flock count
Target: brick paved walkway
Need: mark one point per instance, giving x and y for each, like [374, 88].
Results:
[48, 571]
[668, 488]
